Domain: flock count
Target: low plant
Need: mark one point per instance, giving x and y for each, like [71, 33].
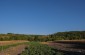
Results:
[39, 49]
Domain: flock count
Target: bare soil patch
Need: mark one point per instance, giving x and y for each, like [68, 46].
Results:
[13, 50]
[69, 45]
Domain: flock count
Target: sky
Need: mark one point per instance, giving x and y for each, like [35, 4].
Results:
[41, 16]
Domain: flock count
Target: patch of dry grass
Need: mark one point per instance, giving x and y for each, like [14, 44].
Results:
[2, 43]
[74, 41]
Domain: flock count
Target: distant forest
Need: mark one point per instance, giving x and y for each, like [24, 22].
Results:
[71, 35]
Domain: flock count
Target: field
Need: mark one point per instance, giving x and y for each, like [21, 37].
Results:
[11, 42]
[71, 47]
[12, 47]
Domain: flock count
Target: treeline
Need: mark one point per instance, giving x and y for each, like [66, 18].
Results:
[71, 35]
[12, 36]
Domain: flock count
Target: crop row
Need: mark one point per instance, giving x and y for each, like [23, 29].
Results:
[40, 49]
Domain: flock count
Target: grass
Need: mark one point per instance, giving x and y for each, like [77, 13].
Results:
[11, 45]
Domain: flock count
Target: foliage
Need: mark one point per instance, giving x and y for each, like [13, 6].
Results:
[72, 35]
[39, 49]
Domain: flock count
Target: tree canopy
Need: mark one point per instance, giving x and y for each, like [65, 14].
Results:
[71, 35]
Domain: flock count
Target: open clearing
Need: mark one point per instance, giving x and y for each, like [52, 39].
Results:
[64, 45]
[14, 50]
[69, 45]
[2, 43]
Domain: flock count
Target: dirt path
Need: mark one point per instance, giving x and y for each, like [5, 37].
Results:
[13, 50]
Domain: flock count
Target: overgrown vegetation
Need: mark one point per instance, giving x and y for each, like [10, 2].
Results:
[40, 49]
[72, 35]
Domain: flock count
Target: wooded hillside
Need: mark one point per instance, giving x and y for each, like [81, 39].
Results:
[71, 35]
